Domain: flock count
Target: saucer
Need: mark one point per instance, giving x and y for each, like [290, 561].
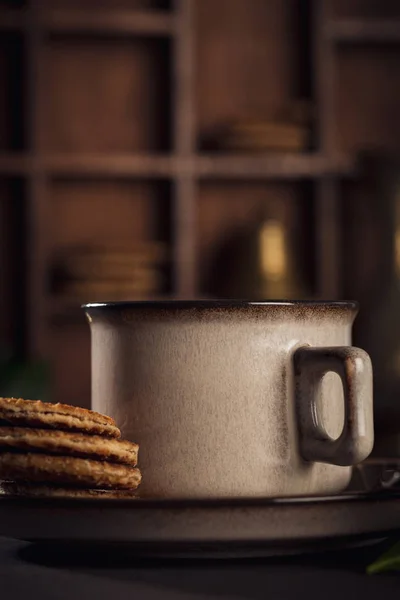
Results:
[234, 527]
[376, 473]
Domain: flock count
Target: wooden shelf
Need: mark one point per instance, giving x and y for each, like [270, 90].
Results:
[124, 165]
[270, 166]
[100, 22]
[364, 31]
[108, 22]
[219, 166]
[99, 166]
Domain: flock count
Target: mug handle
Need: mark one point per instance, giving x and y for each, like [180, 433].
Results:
[356, 440]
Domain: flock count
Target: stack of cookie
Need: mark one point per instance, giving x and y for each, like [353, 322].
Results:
[61, 450]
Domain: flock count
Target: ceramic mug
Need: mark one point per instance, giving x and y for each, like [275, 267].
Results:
[235, 399]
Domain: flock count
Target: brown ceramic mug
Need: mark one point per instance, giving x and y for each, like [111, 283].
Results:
[230, 399]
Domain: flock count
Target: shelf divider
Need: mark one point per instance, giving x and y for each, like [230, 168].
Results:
[184, 207]
[326, 214]
[37, 205]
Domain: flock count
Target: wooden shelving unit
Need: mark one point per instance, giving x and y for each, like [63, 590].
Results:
[196, 52]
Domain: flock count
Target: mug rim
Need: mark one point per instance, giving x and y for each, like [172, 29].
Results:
[220, 304]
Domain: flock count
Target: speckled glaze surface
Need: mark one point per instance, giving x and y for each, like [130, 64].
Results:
[229, 399]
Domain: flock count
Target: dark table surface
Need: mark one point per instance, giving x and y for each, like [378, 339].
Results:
[31, 571]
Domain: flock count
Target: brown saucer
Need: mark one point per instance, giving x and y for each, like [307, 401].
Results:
[224, 528]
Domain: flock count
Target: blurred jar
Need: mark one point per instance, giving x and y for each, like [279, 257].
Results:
[265, 262]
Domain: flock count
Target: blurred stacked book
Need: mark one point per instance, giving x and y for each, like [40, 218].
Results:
[287, 131]
[112, 273]
[264, 136]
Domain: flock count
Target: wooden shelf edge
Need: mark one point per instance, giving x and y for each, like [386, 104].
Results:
[124, 165]
[99, 21]
[108, 21]
[222, 166]
[88, 165]
[279, 166]
[364, 31]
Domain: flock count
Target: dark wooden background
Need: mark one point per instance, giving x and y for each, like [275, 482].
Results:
[104, 106]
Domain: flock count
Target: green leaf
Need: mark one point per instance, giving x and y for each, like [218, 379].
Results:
[389, 561]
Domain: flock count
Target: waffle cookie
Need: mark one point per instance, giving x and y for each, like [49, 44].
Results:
[67, 470]
[31, 490]
[67, 443]
[34, 413]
